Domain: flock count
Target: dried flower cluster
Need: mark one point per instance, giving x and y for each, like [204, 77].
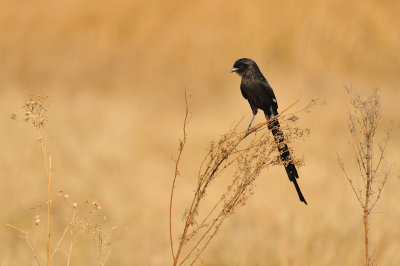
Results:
[247, 154]
[36, 110]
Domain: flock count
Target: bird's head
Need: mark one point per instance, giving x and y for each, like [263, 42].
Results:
[244, 66]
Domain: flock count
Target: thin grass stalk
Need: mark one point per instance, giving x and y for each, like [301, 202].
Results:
[181, 147]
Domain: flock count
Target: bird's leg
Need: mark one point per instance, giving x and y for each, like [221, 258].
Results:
[251, 122]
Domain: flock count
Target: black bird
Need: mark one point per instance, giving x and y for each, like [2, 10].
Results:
[257, 91]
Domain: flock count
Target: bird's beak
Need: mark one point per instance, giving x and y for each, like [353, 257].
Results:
[234, 69]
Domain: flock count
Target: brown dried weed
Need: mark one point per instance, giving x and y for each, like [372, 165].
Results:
[246, 154]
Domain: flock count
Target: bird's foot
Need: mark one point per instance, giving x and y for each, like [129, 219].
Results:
[247, 132]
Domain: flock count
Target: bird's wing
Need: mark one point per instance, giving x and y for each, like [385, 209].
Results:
[248, 98]
[244, 94]
[271, 96]
[261, 95]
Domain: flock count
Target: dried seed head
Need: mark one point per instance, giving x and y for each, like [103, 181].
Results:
[36, 110]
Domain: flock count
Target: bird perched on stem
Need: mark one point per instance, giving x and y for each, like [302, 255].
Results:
[257, 91]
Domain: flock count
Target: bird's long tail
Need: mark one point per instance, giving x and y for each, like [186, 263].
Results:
[290, 168]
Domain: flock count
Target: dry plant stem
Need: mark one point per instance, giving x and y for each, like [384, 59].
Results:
[106, 257]
[195, 203]
[216, 227]
[71, 244]
[220, 218]
[69, 252]
[67, 228]
[47, 161]
[181, 146]
[108, 236]
[29, 241]
[99, 246]
[363, 123]
[367, 195]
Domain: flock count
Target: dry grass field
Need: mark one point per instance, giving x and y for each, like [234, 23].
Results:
[115, 72]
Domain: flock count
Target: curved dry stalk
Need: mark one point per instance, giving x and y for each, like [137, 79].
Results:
[181, 146]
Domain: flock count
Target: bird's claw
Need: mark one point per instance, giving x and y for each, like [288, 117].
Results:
[247, 132]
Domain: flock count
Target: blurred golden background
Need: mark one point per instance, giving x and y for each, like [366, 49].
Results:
[115, 74]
